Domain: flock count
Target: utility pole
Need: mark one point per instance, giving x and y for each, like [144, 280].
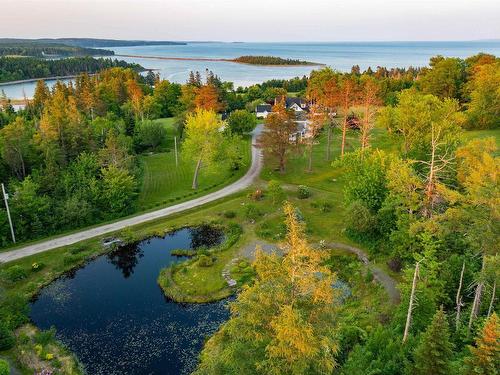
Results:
[6, 198]
[176, 157]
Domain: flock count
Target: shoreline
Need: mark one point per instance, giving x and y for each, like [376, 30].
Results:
[213, 59]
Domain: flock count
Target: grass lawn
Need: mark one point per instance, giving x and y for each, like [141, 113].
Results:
[164, 183]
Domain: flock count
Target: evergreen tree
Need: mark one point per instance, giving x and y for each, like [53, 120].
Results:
[433, 354]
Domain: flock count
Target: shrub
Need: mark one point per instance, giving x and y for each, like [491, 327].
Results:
[4, 367]
[275, 191]
[205, 261]
[256, 195]
[303, 192]
[229, 214]
[14, 310]
[35, 267]
[77, 249]
[359, 218]
[241, 121]
[6, 337]
[45, 337]
[323, 206]
[395, 264]
[252, 212]
[15, 273]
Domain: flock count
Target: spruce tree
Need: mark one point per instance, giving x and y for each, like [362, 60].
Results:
[433, 354]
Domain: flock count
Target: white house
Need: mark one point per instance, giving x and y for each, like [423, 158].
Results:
[262, 110]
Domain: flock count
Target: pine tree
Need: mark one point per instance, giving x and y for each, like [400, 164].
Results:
[485, 356]
[433, 354]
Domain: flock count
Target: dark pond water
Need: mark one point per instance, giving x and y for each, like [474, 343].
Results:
[113, 315]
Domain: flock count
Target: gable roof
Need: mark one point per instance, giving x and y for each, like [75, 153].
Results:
[263, 108]
[291, 101]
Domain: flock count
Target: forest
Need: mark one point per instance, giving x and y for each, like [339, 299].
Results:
[15, 68]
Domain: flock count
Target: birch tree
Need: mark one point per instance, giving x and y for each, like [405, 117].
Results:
[203, 137]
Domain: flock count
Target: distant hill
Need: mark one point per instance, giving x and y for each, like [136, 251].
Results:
[42, 49]
[103, 43]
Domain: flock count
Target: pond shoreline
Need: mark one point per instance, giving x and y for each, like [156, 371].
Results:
[135, 266]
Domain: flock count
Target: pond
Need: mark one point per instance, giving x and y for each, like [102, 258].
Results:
[113, 315]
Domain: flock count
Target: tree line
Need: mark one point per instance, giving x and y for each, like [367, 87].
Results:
[13, 68]
[42, 49]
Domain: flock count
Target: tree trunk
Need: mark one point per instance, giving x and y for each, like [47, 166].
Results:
[458, 299]
[344, 131]
[310, 166]
[477, 297]
[410, 305]
[328, 142]
[196, 171]
[493, 295]
[282, 164]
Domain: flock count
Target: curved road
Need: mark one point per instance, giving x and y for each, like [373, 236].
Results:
[241, 184]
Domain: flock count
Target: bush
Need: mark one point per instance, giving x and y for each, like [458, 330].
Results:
[4, 367]
[229, 214]
[45, 337]
[359, 218]
[15, 273]
[35, 267]
[241, 121]
[256, 195]
[303, 192]
[14, 310]
[150, 134]
[205, 261]
[6, 337]
[395, 264]
[252, 212]
[275, 191]
[323, 206]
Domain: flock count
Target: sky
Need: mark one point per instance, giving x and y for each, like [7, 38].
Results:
[253, 20]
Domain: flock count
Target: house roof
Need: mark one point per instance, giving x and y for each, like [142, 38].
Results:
[291, 101]
[263, 108]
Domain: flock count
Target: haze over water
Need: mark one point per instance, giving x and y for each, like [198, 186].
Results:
[339, 55]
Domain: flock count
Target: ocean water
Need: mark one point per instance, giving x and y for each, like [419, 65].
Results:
[340, 55]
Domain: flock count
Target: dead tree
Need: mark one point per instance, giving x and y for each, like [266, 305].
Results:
[458, 299]
[412, 300]
[493, 296]
[476, 304]
[437, 164]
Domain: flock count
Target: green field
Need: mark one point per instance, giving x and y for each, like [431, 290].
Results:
[164, 183]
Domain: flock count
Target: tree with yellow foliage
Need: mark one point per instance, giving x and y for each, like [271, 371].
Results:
[203, 140]
[284, 322]
[485, 355]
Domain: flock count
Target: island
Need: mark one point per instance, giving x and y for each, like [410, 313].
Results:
[271, 60]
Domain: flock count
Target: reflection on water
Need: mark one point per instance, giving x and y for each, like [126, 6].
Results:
[112, 314]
